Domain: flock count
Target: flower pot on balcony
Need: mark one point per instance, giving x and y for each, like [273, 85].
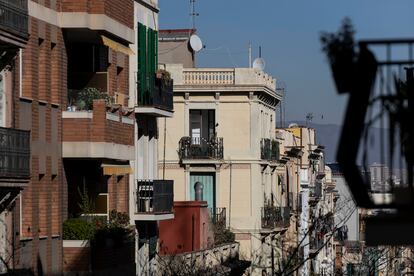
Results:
[339, 48]
[343, 74]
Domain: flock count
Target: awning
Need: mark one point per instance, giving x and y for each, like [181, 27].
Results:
[116, 46]
[111, 169]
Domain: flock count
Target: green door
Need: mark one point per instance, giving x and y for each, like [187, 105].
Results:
[209, 188]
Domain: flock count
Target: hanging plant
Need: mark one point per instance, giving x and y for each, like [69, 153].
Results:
[339, 48]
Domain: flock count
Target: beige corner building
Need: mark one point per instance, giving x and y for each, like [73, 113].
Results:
[222, 135]
[313, 195]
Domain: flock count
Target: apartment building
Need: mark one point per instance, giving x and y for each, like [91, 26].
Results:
[174, 47]
[221, 136]
[313, 201]
[151, 97]
[76, 52]
[15, 146]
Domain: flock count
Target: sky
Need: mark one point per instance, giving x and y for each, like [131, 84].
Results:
[288, 32]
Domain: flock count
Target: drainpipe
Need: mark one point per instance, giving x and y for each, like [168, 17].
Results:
[192, 232]
[231, 173]
[165, 138]
[273, 255]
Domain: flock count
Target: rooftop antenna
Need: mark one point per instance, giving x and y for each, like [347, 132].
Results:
[193, 12]
[309, 118]
[250, 54]
[259, 63]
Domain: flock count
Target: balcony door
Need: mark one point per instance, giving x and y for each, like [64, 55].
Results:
[209, 187]
[202, 125]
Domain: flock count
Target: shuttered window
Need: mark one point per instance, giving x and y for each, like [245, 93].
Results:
[147, 63]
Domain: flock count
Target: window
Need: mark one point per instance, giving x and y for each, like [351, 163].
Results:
[202, 125]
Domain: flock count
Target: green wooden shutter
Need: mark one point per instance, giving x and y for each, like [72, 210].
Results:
[151, 61]
[156, 49]
[142, 62]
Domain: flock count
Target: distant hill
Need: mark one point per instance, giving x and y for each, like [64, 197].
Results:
[328, 136]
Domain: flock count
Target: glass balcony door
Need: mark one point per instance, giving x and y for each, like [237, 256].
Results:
[202, 125]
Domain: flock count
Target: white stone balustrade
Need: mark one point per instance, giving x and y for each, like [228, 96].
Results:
[220, 76]
[204, 76]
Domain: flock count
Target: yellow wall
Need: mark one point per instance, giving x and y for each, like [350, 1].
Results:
[237, 139]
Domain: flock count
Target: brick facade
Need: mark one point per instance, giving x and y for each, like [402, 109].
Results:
[77, 259]
[120, 10]
[39, 109]
[98, 128]
[97, 259]
[44, 81]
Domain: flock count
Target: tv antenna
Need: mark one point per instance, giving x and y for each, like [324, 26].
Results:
[193, 12]
[309, 118]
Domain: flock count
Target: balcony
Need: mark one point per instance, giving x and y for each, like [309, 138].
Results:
[226, 76]
[14, 21]
[315, 193]
[102, 132]
[315, 245]
[200, 148]
[14, 164]
[218, 216]
[14, 154]
[157, 101]
[100, 16]
[275, 217]
[269, 150]
[353, 246]
[341, 234]
[154, 200]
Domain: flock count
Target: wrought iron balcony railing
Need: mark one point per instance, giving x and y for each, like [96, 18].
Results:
[273, 217]
[341, 234]
[269, 150]
[218, 216]
[160, 96]
[353, 246]
[316, 243]
[14, 17]
[200, 148]
[14, 153]
[316, 191]
[154, 196]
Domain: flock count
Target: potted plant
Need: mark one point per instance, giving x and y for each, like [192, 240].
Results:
[164, 76]
[340, 49]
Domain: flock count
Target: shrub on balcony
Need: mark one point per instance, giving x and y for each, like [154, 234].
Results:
[98, 229]
[83, 99]
[114, 231]
[222, 235]
[88, 94]
[77, 229]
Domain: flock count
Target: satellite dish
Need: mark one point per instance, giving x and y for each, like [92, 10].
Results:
[259, 64]
[195, 43]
